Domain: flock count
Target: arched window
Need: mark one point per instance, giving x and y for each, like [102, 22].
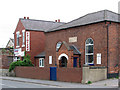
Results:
[58, 45]
[89, 44]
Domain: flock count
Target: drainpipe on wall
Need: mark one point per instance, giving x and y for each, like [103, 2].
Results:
[107, 45]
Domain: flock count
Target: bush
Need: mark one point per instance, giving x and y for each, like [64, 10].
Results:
[117, 77]
[89, 82]
[26, 62]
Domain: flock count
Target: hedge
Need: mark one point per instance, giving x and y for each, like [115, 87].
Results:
[26, 62]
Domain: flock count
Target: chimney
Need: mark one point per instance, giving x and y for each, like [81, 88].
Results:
[24, 17]
[27, 17]
[55, 20]
[58, 20]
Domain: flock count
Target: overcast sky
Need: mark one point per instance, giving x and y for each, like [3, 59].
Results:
[50, 10]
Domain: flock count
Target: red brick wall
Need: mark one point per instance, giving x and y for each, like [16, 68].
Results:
[19, 27]
[63, 74]
[37, 62]
[119, 44]
[113, 48]
[4, 62]
[95, 31]
[37, 41]
[98, 32]
[69, 74]
[37, 44]
[33, 72]
[63, 49]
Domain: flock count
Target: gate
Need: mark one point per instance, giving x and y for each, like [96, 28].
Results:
[53, 73]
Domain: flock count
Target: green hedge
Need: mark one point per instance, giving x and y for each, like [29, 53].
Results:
[26, 62]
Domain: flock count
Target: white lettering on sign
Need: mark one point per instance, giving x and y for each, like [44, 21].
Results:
[98, 58]
[72, 39]
[27, 41]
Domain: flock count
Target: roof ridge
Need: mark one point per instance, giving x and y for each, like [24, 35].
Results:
[40, 20]
[81, 17]
[92, 13]
[103, 12]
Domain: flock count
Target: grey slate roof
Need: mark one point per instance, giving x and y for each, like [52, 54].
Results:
[75, 50]
[104, 15]
[39, 25]
[41, 55]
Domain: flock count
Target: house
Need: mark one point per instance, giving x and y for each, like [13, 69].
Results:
[10, 43]
[91, 41]
[85, 49]
[6, 57]
[29, 37]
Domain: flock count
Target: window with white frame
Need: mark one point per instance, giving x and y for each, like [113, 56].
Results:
[23, 38]
[41, 62]
[89, 44]
[17, 33]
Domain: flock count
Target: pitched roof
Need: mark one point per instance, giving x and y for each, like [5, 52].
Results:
[72, 47]
[104, 15]
[39, 25]
[75, 50]
[41, 55]
[10, 42]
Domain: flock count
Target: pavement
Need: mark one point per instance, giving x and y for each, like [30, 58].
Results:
[109, 83]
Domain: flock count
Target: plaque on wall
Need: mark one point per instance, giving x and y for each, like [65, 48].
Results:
[72, 39]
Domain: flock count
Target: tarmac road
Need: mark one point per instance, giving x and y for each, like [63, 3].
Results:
[17, 82]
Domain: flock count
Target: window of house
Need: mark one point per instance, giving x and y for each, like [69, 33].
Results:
[58, 45]
[89, 51]
[23, 38]
[17, 33]
[41, 62]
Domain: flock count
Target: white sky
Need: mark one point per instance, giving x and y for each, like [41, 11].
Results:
[50, 10]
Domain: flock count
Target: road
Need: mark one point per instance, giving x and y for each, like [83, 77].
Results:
[17, 84]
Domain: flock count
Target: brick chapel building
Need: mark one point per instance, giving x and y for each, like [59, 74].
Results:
[29, 37]
[92, 40]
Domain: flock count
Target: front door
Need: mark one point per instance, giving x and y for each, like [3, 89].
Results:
[75, 62]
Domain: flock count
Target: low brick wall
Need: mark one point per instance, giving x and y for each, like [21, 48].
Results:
[63, 74]
[33, 72]
[69, 74]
